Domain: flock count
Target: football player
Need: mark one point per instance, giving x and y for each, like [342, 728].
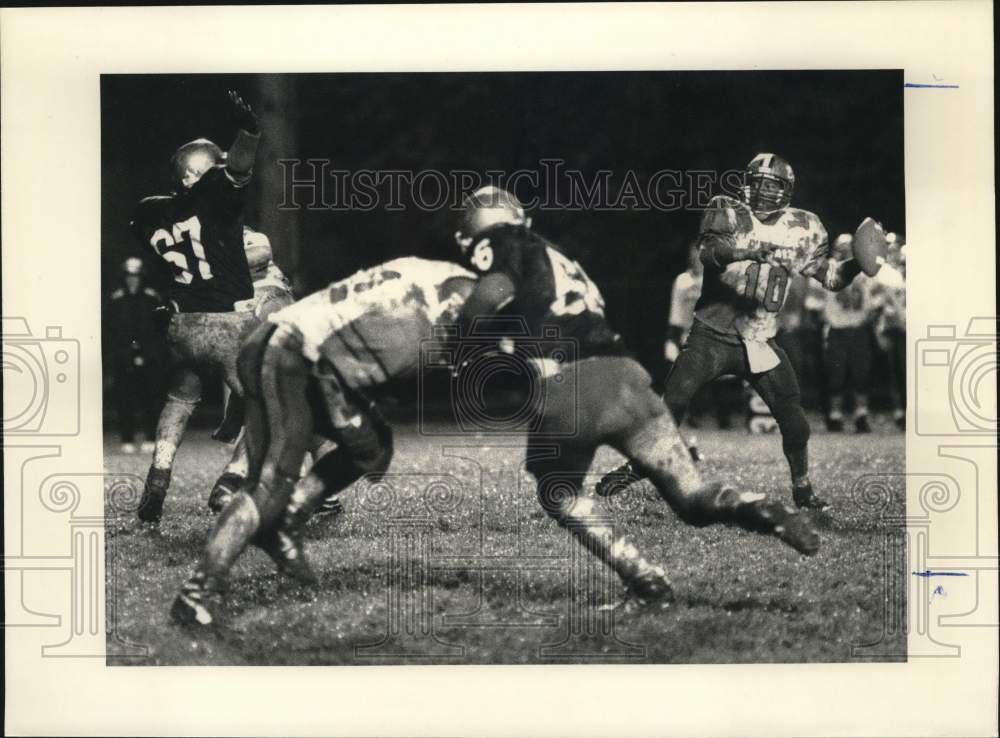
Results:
[847, 344]
[272, 291]
[304, 372]
[197, 231]
[889, 295]
[599, 396]
[750, 248]
[136, 354]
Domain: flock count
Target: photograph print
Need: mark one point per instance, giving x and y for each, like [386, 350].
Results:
[504, 368]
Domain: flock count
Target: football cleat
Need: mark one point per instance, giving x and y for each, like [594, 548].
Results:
[224, 490]
[153, 494]
[331, 507]
[790, 527]
[834, 424]
[616, 480]
[651, 585]
[288, 554]
[861, 424]
[805, 497]
[191, 606]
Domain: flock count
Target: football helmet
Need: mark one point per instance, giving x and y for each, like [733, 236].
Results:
[767, 184]
[190, 162]
[487, 207]
[258, 250]
[133, 266]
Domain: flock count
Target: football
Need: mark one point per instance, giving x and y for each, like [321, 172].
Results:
[870, 246]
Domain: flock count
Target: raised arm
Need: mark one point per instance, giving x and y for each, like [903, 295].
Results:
[242, 154]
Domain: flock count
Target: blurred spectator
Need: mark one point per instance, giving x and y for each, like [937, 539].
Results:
[683, 296]
[137, 355]
[889, 295]
[848, 317]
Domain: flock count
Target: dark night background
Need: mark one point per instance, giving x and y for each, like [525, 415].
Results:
[841, 131]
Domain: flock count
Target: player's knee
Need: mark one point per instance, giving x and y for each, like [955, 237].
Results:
[370, 446]
[185, 388]
[628, 401]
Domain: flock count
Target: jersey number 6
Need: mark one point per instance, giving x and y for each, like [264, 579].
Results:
[180, 246]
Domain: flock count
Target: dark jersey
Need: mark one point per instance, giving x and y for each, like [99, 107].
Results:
[554, 295]
[131, 323]
[199, 233]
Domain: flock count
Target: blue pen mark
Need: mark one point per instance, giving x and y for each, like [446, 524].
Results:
[930, 573]
[939, 590]
[918, 86]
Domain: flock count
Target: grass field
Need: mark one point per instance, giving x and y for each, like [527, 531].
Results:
[452, 561]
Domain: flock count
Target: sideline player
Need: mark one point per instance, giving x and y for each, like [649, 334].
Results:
[198, 231]
[889, 294]
[847, 344]
[136, 354]
[304, 371]
[750, 247]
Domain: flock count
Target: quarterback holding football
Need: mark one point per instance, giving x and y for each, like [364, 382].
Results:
[751, 246]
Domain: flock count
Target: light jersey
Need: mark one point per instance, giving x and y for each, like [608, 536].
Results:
[370, 325]
[271, 291]
[890, 303]
[744, 298]
[851, 307]
[683, 297]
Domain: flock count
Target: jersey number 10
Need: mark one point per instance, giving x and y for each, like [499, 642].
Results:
[180, 246]
[774, 290]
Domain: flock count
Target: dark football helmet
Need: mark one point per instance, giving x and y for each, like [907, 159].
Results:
[767, 184]
[190, 162]
[487, 207]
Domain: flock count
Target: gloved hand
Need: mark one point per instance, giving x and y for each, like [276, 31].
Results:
[243, 114]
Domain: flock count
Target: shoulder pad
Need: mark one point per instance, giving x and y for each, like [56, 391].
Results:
[150, 292]
[146, 204]
[725, 201]
[725, 215]
[118, 294]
